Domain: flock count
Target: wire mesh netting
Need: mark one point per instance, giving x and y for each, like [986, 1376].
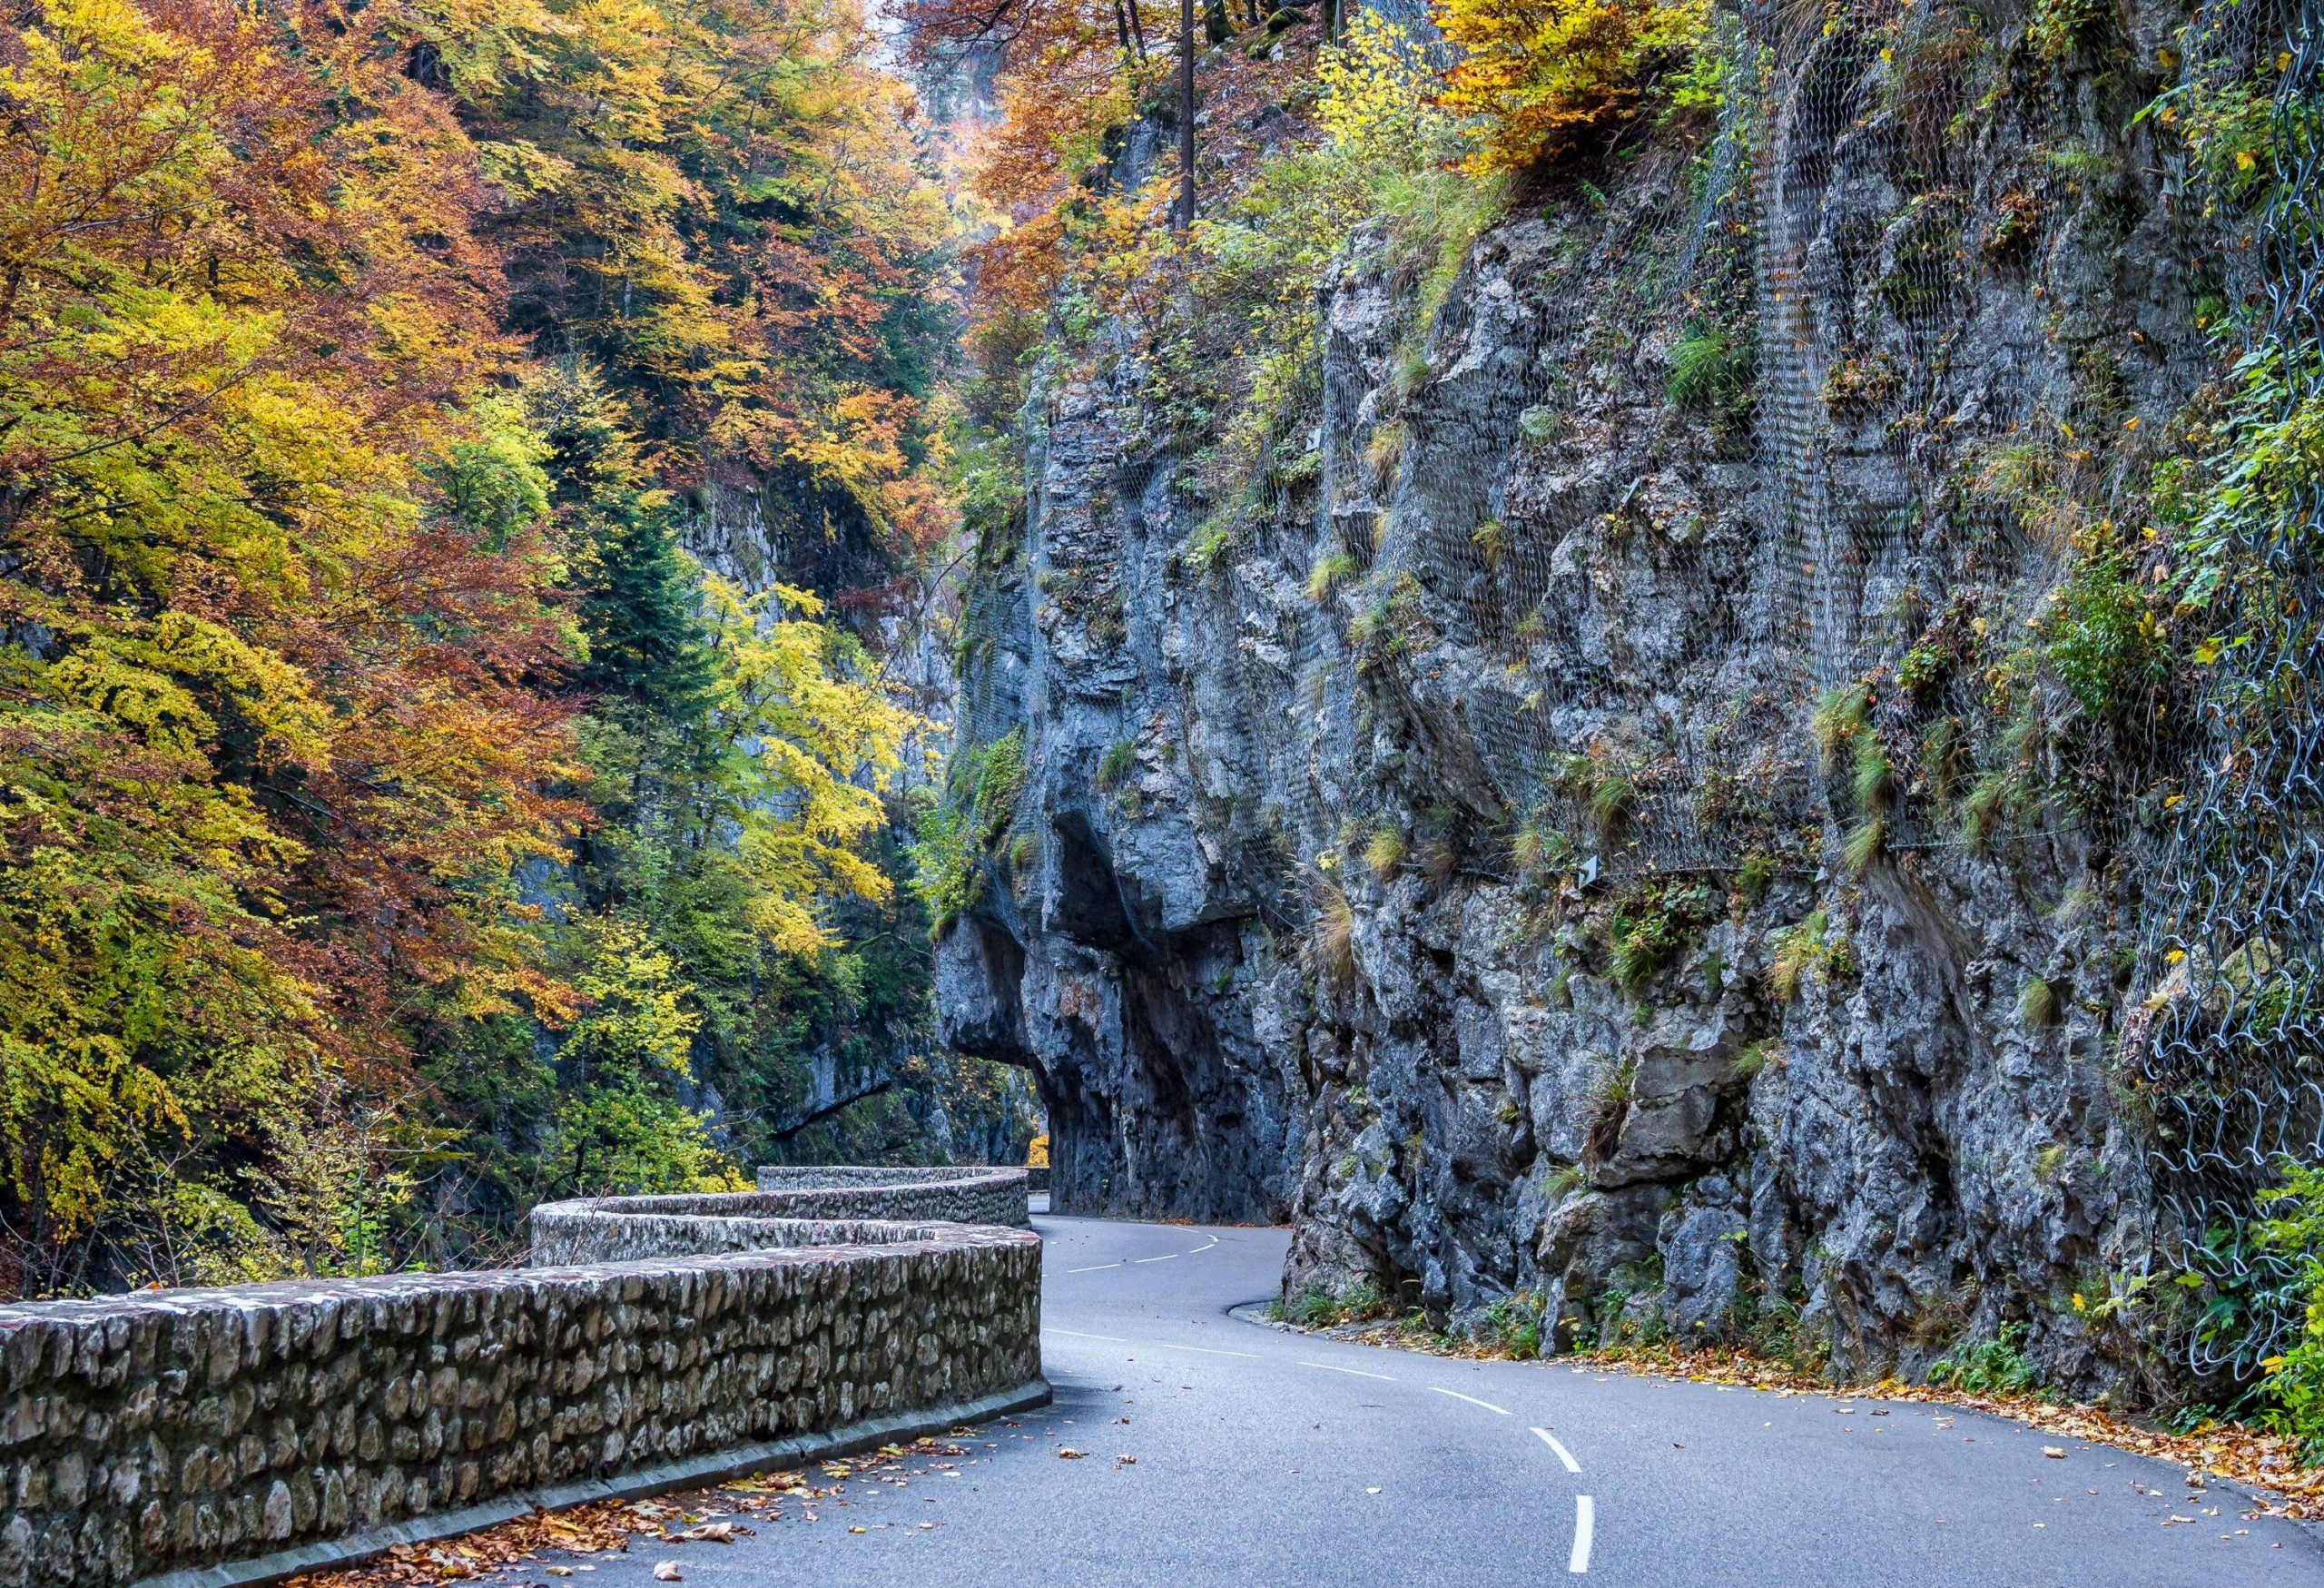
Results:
[2232, 1039]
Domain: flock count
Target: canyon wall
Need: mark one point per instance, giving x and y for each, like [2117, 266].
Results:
[1629, 835]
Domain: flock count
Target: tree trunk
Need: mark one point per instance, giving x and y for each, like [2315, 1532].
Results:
[1186, 114]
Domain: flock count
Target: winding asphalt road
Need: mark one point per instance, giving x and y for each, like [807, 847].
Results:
[1264, 1457]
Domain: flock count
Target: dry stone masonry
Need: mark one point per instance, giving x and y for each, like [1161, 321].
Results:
[980, 1196]
[235, 1435]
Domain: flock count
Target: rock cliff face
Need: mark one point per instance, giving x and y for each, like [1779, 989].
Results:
[1615, 831]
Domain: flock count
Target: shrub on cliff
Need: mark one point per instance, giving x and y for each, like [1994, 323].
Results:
[2294, 1235]
[1539, 77]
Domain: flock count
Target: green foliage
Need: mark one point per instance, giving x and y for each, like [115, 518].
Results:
[1652, 926]
[1211, 548]
[1116, 764]
[2061, 27]
[1985, 810]
[1610, 801]
[1840, 716]
[1874, 780]
[1318, 1307]
[947, 858]
[2230, 124]
[1710, 367]
[1813, 948]
[2294, 1233]
[1995, 1367]
[1332, 570]
[492, 480]
[2037, 1003]
[1864, 844]
[399, 826]
[639, 592]
[1240, 363]
[2254, 492]
[955, 833]
[1384, 851]
[619, 1126]
[1537, 849]
[1512, 1326]
[2101, 638]
[1921, 668]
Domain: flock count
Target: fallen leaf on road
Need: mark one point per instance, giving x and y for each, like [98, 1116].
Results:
[1069, 1454]
[710, 1533]
[1371, 1491]
[2054, 1452]
[855, 1529]
[667, 1572]
[560, 1571]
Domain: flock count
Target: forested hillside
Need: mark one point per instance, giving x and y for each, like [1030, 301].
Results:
[400, 823]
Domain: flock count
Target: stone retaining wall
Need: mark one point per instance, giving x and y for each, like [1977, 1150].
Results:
[234, 1435]
[972, 1196]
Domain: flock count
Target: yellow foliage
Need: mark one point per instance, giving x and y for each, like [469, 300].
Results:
[808, 740]
[1539, 76]
[1378, 92]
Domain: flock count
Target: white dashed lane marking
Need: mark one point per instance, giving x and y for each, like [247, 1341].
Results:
[1352, 1372]
[1585, 1522]
[1472, 1400]
[1078, 1335]
[1564, 1454]
[1093, 1268]
[1165, 1257]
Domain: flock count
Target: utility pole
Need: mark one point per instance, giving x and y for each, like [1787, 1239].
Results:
[1186, 115]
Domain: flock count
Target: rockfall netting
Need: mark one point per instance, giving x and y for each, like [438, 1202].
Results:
[2230, 1038]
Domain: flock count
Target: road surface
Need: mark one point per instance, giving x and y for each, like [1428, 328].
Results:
[1264, 1457]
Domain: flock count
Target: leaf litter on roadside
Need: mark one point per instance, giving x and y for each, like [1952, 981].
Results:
[2235, 1451]
[610, 1527]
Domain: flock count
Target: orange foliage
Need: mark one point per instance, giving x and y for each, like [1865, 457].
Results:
[1540, 75]
[271, 726]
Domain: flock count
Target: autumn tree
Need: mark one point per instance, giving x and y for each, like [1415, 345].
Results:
[1541, 76]
[273, 744]
[370, 745]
